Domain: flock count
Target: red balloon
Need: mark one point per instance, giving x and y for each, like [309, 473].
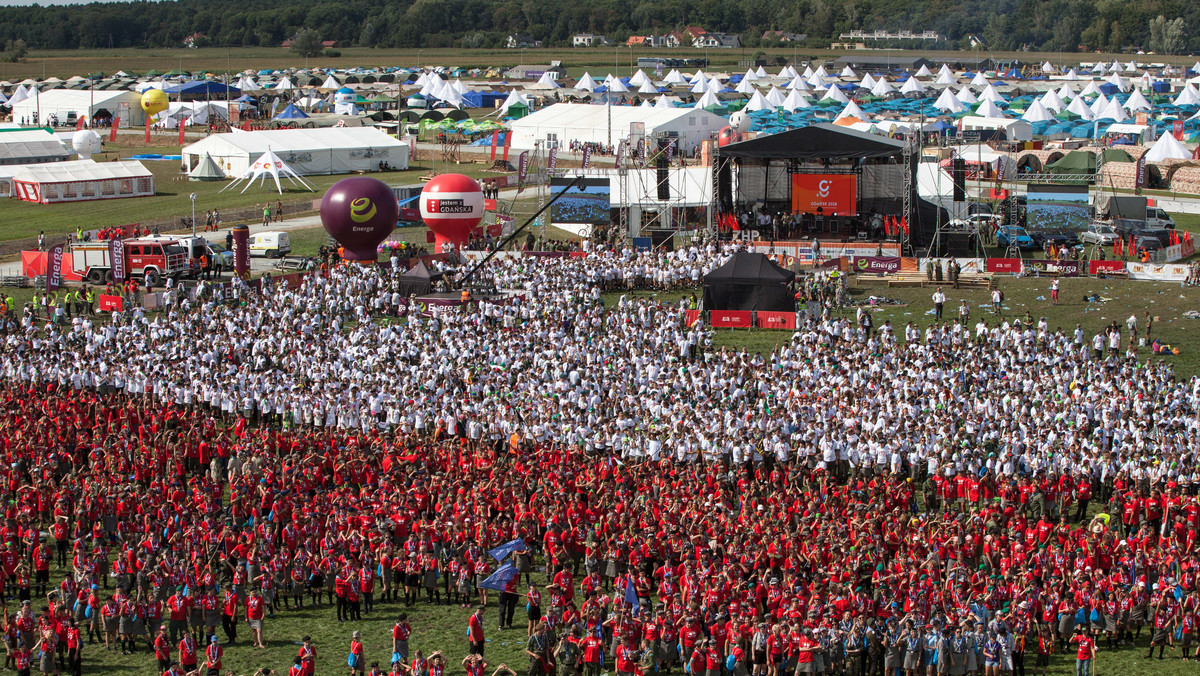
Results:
[452, 205]
[359, 213]
[728, 135]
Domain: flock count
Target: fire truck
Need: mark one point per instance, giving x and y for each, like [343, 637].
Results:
[150, 259]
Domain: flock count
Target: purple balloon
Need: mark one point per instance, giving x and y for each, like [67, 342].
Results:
[359, 213]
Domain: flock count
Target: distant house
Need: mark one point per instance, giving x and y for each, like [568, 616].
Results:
[717, 41]
[784, 36]
[588, 40]
[646, 41]
[192, 41]
[329, 44]
[520, 41]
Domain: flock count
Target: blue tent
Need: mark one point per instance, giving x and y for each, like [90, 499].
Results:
[475, 99]
[202, 87]
[291, 113]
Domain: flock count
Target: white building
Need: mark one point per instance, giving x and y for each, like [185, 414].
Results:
[588, 40]
[563, 123]
[329, 150]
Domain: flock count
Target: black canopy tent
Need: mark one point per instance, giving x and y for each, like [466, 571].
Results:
[417, 281]
[749, 281]
[816, 142]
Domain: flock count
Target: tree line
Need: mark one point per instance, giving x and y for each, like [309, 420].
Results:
[1005, 25]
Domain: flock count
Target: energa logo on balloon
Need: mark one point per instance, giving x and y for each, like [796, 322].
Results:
[361, 210]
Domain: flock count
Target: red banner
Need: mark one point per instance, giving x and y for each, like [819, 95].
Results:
[412, 215]
[112, 135]
[776, 320]
[690, 317]
[495, 140]
[1095, 267]
[1005, 265]
[147, 130]
[489, 204]
[831, 193]
[738, 319]
[181, 132]
[108, 303]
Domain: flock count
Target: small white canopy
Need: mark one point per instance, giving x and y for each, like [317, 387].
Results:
[882, 88]
[1091, 90]
[547, 80]
[616, 86]
[675, 77]
[707, 99]
[867, 81]
[967, 96]
[639, 78]
[1037, 113]
[852, 110]
[663, 102]
[1189, 96]
[750, 75]
[1114, 111]
[284, 84]
[820, 72]
[1119, 81]
[980, 80]
[1080, 108]
[647, 88]
[1167, 147]
[946, 77]
[795, 100]
[989, 92]
[1066, 93]
[1047, 67]
[798, 84]
[923, 72]
[775, 97]
[761, 72]
[586, 83]
[269, 164]
[1137, 102]
[699, 87]
[989, 109]
[1099, 105]
[835, 94]
[912, 86]
[808, 72]
[848, 72]
[698, 77]
[331, 82]
[948, 102]
[758, 102]
[714, 84]
[1051, 101]
[745, 87]
[1072, 74]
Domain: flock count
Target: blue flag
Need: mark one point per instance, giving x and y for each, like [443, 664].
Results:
[499, 553]
[499, 580]
[631, 596]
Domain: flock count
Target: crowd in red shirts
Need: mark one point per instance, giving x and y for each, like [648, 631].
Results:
[971, 545]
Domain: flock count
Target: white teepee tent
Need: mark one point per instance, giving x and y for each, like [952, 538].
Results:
[1167, 147]
[269, 164]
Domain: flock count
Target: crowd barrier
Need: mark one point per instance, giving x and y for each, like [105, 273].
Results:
[881, 265]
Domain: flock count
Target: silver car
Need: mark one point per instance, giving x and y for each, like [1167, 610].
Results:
[1098, 233]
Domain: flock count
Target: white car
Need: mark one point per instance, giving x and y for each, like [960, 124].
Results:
[1098, 233]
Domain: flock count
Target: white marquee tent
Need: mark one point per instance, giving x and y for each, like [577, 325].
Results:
[31, 146]
[82, 180]
[566, 122]
[59, 102]
[329, 150]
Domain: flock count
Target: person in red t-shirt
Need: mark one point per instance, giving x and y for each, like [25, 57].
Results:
[162, 649]
[592, 647]
[1087, 650]
[475, 632]
[255, 607]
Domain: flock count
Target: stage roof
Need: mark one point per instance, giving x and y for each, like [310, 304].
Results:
[819, 141]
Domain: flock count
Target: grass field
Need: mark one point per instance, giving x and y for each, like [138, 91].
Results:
[620, 60]
[23, 220]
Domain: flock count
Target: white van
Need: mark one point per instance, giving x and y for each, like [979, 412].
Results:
[1159, 218]
[271, 244]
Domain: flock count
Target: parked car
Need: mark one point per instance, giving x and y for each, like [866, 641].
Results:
[1158, 218]
[1012, 235]
[1148, 242]
[1044, 238]
[1099, 233]
[1129, 227]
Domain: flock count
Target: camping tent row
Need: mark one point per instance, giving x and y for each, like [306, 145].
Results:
[329, 150]
[81, 180]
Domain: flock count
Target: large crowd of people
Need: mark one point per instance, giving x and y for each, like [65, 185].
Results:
[960, 499]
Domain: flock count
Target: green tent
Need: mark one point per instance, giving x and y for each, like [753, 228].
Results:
[1074, 163]
[1116, 155]
[517, 110]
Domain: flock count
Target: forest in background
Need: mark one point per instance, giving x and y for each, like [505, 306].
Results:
[1159, 26]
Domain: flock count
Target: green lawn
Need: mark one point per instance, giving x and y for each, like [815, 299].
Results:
[23, 220]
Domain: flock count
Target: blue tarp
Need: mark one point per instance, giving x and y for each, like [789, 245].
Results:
[483, 99]
[201, 87]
